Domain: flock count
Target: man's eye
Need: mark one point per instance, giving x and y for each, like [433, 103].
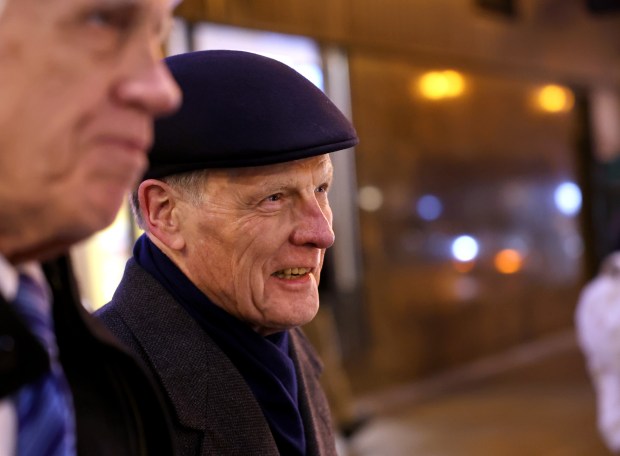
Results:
[322, 189]
[274, 197]
[120, 19]
[108, 27]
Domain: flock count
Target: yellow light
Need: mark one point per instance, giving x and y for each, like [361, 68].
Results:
[508, 261]
[456, 83]
[436, 85]
[555, 98]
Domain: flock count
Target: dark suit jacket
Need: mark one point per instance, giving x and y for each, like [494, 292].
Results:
[118, 409]
[215, 412]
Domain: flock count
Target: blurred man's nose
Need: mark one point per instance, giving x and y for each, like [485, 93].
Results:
[152, 88]
[165, 95]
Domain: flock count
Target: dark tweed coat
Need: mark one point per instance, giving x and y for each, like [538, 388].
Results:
[214, 411]
[118, 409]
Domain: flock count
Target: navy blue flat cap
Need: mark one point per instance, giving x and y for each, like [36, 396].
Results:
[242, 109]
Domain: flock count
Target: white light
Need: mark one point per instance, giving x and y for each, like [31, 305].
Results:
[310, 71]
[465, 248]
[298, 52]
[568, 198]
[429, 207]
[370, 198]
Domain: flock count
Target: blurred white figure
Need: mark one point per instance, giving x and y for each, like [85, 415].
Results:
[597, 321]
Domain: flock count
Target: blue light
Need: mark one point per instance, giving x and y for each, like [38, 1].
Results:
[567, 198]
[465, 248]
[429, 207]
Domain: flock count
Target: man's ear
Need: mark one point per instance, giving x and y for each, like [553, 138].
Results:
[159, 206]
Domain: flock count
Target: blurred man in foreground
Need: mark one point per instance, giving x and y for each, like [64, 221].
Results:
[80, 84]
[237, 221]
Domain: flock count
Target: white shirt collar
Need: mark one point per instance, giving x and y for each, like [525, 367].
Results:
[8, 279]
[9, 276]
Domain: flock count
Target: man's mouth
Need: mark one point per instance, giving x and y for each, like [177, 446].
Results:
[291, 273]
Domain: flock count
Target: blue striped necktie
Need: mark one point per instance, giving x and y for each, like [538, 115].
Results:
[44, 407]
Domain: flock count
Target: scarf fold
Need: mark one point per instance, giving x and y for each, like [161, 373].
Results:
[264, 362]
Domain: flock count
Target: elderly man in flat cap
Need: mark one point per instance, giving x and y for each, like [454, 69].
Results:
[237, 221]
[80, 84]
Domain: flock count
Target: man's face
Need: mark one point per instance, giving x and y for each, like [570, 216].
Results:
[80, 83]
[255, 245]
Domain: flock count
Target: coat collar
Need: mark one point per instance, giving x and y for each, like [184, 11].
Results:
[205, 389]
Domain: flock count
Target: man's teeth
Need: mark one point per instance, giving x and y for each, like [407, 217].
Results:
[291, 273]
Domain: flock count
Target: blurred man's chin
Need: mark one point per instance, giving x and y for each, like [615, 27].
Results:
[86, 224]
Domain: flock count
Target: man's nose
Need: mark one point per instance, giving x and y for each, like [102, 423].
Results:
[152, 88]
[313, 226]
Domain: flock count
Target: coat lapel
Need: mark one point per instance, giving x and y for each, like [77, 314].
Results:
[312, 401]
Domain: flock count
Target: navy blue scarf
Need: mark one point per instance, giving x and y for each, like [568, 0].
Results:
[264, 362]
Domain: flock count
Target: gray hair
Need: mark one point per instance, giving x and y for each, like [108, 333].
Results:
[189, 184]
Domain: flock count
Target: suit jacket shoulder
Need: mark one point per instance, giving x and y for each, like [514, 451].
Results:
[118, 410]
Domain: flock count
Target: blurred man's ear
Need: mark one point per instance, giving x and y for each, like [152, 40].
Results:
[160, 211]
